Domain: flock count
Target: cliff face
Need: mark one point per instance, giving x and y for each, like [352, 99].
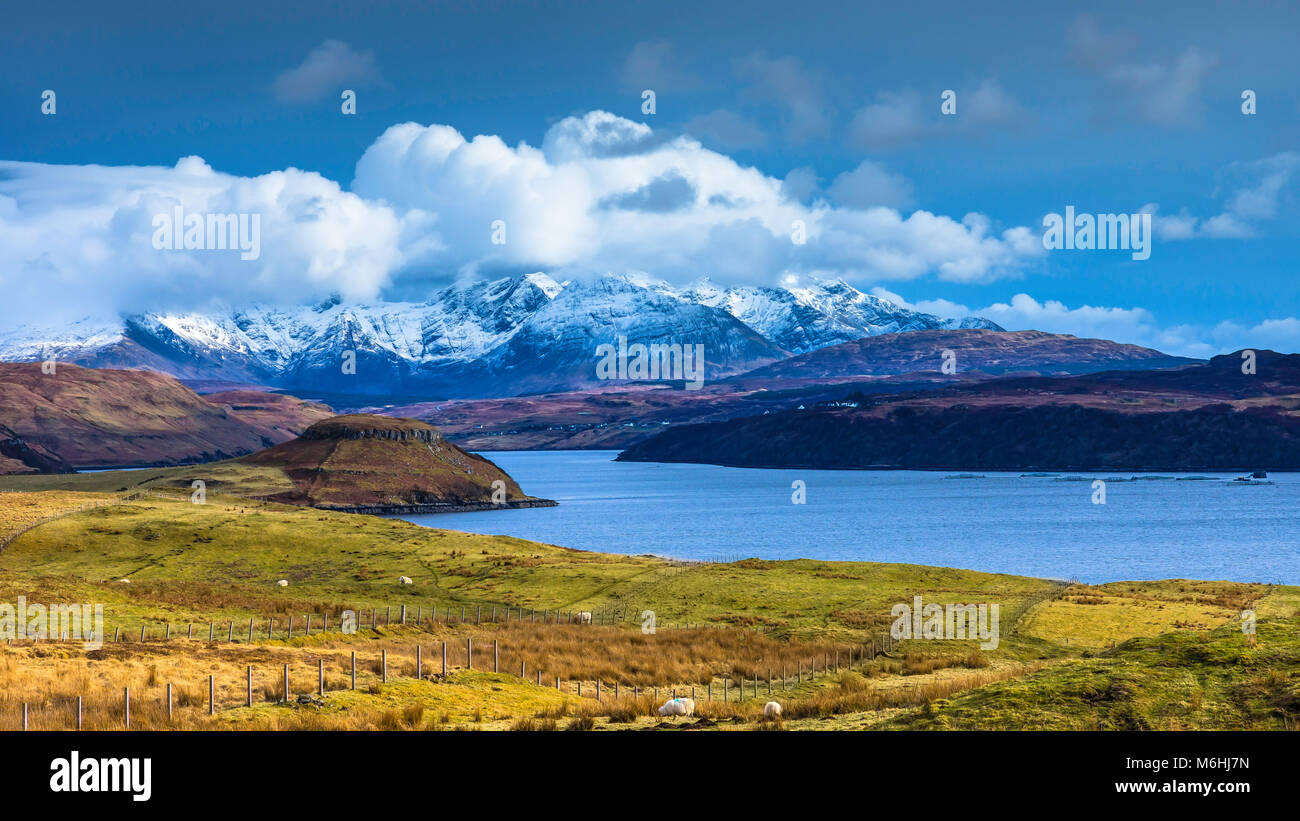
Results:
[365, 426]
[360, 461]
[17, 455]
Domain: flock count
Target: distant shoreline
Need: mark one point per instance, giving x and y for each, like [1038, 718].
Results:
[419, 510]
[985, 468]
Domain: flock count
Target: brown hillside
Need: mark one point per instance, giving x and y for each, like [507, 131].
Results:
[361, 460]
[129, 418]
[18, 456]
[992, 352]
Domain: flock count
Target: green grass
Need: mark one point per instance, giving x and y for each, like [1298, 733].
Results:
[221, 560]
[1181, 659]
[1181, 679]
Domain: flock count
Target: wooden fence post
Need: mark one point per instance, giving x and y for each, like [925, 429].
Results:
[444, 659]
[212, 695]
[250, 685]
[496, 656]
[286, 684]
[354, 669]
[126, 702]
[403, 616]
[419, 661]
[250, 631]
[78, 712]
[383, 663]
[320, 677]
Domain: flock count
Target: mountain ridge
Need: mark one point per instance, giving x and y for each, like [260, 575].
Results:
[507, 336]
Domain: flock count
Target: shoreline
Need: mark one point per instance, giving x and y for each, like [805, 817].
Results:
[423, 509]
[944, 469]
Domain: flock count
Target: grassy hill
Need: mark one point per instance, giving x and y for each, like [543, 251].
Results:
[1179, 658]
[363, 460]
[352, 462]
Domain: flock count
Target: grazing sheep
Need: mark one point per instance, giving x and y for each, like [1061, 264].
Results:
[404, 580]
[678, 707]
[772, 711]
[584, 617]
[283, 583]
[123, 581]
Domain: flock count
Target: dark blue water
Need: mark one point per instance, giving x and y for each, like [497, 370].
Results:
[1036, 526]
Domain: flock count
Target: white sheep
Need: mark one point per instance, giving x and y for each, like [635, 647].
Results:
[772, 711]
[404, 580]
[584, 617]
[678, 707]
[283, 583]
[123, 581]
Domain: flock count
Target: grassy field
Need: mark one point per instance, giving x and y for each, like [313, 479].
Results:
[20, 509]
[1137, 654]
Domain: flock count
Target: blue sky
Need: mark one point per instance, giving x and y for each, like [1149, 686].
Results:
[1123, 109]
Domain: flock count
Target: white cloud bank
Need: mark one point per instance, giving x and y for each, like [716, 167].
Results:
[601, 194]
[1135, 326]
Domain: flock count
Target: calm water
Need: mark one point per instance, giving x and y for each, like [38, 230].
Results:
[1148, 529]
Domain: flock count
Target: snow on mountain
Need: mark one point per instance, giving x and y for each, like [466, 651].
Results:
[499, 337]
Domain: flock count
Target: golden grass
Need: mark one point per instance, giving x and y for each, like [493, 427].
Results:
[22, 509]
[1099, 616]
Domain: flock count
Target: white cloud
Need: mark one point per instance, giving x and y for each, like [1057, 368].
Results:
[328, 68]
[893, 120]
[1134, 326]
[727, 129]
[572, 206]
[602, 194]
[901, 118]
[1154, 91]
[1258, 189]
[871, 184]
[78, 238]
[796, 90]
[654, 65]
[990, 106]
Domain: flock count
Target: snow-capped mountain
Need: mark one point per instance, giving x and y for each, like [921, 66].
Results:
[507, 336]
